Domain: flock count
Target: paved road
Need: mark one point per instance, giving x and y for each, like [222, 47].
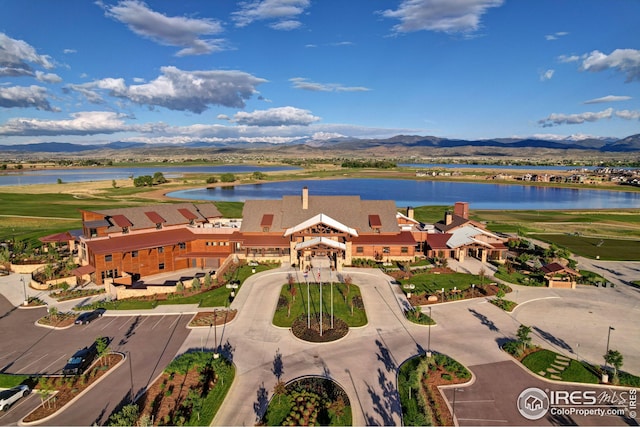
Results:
[364, 362]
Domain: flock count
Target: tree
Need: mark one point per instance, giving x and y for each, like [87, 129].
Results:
[44, 390]
[211, 180]
[482, 274]
[280, 389]
[48, 271]
[258, 175]
[158, 178]
[524, 337]
[227, 177]
[195, 284]
[114, 184]
[102, 348]
[127, 416]
[143, 181]
[614, 358]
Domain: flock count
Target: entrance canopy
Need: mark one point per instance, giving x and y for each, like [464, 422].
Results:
[320, 241]
[323, 219]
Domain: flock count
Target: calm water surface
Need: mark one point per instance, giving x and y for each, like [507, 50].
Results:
[50, 176]
[420, 193]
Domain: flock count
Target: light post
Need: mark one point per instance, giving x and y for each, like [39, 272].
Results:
[215, 334]
[130, 375]
[611, 328]
[429, 339]
[24, 287]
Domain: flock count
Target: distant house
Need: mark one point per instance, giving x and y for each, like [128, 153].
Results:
[559, 276]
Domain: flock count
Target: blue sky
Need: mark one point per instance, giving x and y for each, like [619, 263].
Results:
[278, 70]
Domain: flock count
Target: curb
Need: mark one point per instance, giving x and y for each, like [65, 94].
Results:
[69, 403]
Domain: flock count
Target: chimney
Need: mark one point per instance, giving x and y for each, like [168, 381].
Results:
[461, 209]
[305, 198]
[448, 218]
[410, 212]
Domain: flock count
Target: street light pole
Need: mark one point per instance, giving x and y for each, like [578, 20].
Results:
[24, 287]
[429, 339]
[608, 339]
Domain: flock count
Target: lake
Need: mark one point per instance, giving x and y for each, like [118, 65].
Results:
[421, 193]
[50, 176]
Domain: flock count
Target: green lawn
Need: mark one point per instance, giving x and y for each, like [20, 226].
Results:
[590, 247]
[576, 372]
[9, 380]
[433, 283]
[341, 308]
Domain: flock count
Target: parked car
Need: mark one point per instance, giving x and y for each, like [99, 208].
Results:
[87, 317]
[80, 360]
[12, 395]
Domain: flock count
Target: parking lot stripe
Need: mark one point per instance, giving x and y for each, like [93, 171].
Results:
[110, 322]
[64, 356]
[175, 321]
[161, 319]
[37, 360]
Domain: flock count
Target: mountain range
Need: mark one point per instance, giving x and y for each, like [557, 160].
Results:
[399, 143]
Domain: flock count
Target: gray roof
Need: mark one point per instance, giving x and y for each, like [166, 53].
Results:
[349, 210]
[168, 211]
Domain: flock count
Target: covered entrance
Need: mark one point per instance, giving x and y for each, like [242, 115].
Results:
[318, 240]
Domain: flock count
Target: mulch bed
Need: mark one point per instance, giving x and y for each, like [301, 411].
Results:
[480, 291]
[210, 318]
[62, 320]
[441, 414]
[163, 398]
[69, 387]
[300, 330]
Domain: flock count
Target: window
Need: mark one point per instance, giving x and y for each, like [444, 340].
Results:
[125, 230]
[134, 254]
[265, 229]
[93, 232]
[359, 250]
[161, 250]
[182, 245]
[158, 226]
[161, 266]
[108, 258]
[385, 250]
[404, 250]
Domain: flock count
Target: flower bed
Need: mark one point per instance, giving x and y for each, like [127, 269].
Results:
[69, 294]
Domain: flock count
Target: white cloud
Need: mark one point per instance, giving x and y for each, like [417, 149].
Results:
[556, 119]
[69, 51]
[628, 114]
[306, 84]
[568, 58]
[25, 97]
[283, 12]
[180, 90]
[168, 30]
[449, 16]
[608, 98]
[48, 77]
[282, 116]
[82, 123]
[555, 36]
[547, 75]
[16, 57]
[623, 60]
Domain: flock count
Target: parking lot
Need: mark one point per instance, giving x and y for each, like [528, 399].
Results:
[150, 342]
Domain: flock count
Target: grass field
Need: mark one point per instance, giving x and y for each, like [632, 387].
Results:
[590, 247]
[541, 360]
[433, 283]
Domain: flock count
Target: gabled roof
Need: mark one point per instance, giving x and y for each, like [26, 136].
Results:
[321, 219]
[132, 242]
[317, 241]
[555, 267]
[466, 236]
[438, 240]
[56, 238]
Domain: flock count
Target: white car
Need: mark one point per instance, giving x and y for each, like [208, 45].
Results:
[12, 395]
